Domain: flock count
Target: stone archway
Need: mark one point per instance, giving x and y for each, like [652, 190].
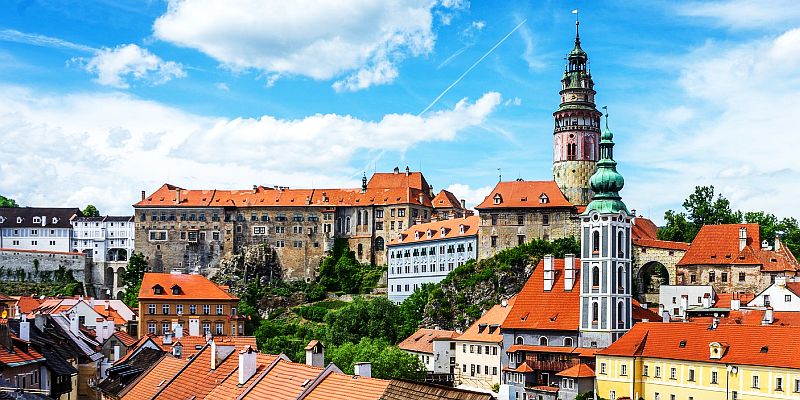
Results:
[649, 279]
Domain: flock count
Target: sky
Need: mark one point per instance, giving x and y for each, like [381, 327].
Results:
[102, 99]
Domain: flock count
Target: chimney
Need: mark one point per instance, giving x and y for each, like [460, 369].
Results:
[549, 274]
[74, 326]
[194, 327]
[735, 304]
[177, 349]
[569, 271]
[25, 329]
[742, 238]
[315, 354]
[769, 317]
[177, 196]
[363, 369]
[247, 364]
[463, 204]
[143, 195]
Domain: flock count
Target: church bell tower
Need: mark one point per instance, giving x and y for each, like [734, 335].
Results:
[606, 305]
[577, 128]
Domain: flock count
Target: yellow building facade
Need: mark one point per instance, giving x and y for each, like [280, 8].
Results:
[686, 361]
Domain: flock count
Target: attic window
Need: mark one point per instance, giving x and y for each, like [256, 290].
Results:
[543, 199]
[498, 199]
[764, 349]
[683, 344]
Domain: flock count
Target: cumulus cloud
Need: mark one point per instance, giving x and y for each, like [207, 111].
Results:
[359, 44]
[115, 67]
[732, 128]
[105, 148]
[743, 13]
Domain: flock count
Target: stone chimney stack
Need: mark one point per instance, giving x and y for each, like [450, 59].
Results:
[549, 273]
[569, 271]
[363, 369]
[247, 364]
[742, 238]
[24, 329]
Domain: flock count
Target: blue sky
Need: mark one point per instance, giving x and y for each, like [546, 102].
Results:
[102, 99]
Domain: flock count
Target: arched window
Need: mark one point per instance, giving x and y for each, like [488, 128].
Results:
[596, 242]
[595, 276]
[568, 342]
[542, 341]
[621, 244]
[519, 340]
[595, 312]
[379, 243]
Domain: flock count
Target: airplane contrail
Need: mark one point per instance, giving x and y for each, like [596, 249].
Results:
[471, 67]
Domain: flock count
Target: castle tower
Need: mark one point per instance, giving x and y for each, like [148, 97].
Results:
[605, 255]
[577, 128]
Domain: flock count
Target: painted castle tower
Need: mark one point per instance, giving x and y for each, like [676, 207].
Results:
[605, 255]
[577, 128]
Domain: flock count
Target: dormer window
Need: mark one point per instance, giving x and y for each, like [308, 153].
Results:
[543, 199]
[498, 199]
[176, 289]
[158, 289]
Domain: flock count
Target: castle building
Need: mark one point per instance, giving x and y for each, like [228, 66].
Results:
[426, 253]
[194, 230]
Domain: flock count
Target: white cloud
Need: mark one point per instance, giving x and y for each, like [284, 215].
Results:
[473, 197]
[68, 150]
[34, 39]
[115, 66]
[733, 128]
[359, 43]
[744, 13]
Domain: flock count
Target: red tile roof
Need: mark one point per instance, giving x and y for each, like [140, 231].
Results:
[487, 327]
[534, 308]
[525, 194]
[719, 245]
[421, 341]
[452, 229]
[746, 344]
[446, 199]
[577, 371]
[192, 287]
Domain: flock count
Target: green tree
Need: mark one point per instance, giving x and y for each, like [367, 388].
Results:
[90, 211]
[388, 362]
[377, 318]
[412, 309]
[132, 278]
[702, 208]
[6, 202]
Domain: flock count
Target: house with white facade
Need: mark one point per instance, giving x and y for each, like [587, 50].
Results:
[782, 295]
[435, 348]
[426, 253]
[479, 349]
[37, 229]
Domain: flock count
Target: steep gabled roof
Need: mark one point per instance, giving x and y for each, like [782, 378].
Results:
[525, 194]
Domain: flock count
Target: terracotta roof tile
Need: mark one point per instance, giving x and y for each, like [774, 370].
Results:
[525, 194]
[577, 371]
[421, 341]
[452, 229]
[719, 245]
[191, 287]
[746, 344]
[487, 327]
